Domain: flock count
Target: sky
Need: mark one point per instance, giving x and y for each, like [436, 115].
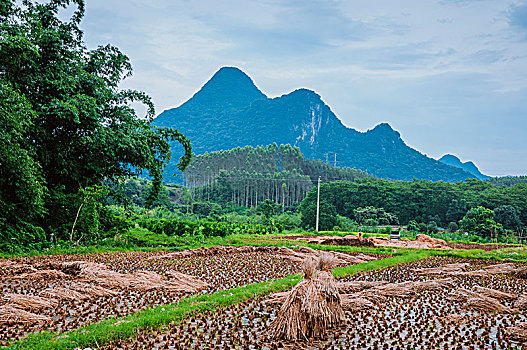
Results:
[449, 75]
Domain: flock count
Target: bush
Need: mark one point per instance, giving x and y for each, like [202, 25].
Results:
[452, 227]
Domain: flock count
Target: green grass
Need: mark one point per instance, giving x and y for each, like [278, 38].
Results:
[95, 335]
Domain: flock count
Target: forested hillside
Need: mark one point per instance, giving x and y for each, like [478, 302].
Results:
[229, 111]
[246, 176]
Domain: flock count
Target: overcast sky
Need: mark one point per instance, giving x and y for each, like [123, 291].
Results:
[449, 75]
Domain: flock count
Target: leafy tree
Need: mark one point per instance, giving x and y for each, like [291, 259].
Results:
[21, 182]
[268, 208]
[77, 127]
[327, 217]
[456, 210]
[452, 227]
[431, 227]
[412, 226]
[480, 221]
[507, 215]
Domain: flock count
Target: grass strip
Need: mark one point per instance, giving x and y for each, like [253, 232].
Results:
[98, 334]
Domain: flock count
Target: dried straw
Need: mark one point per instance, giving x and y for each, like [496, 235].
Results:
[501, 268]
[10, 315]
[357, 286]
[496, 294]
[42, 275]
[290, 322]
[487, 305]
[521, 303]
[63, 293]
[92, 290]
[187, 283]
[517, 332]
[29, 302]
[353, 302]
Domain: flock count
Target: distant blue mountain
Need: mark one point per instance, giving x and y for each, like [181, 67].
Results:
[230, 111]
[469, 167]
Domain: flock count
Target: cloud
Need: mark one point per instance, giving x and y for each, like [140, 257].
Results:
[518, 16]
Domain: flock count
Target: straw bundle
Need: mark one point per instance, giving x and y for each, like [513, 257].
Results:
[277, 298]
[312, 306]
[357, 286]
[63, 293]
[496, 294]
[356, 303]
[290, 323]
[517, 332]
[487, 305]
[327, 286]
[432, 284]
[450, 269]
[42, 275]
[501, 268]
[10, 315]
[462, 295]
[29, 302]
[187, 283]
[521, 303]
[402, 289]
[8, 267]
[92, 290]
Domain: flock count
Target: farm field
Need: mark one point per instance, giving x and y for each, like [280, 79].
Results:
[471, 304]
[65, 292]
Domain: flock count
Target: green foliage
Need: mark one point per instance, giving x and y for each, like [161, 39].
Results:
[65, 125]
[507, 215]
[412, 226]
[21, 183]
[432, 227]
[327, 216]
[422, 201]
[268, 208]
[452, 227]
[480, 220]
[378, 215]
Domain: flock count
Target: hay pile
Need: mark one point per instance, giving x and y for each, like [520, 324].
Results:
[521, 302]
[9, 267]
[517, 332]
[29, 302]
[313, 305]
[11, 315]
[42, 275]
[140, 280]
[295, 255]
[483, 299]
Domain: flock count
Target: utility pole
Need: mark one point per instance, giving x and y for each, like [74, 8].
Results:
[318, 204]
[327, 158]
[335, 164]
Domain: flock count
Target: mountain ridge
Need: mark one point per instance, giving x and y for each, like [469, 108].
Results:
[468, 166]
[230, 111]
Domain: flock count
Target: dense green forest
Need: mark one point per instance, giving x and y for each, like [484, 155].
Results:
[508, 180]
[66, 127]
[246, 176]
[423, 201]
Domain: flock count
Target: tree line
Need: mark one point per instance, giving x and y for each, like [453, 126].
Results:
[422, 200]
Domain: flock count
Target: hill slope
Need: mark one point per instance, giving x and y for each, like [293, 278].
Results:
[469, 167]
[229, 112]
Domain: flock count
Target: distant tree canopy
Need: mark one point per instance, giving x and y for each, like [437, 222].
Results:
[421, 200]
[247, 176]
[65, 125]
[480, 220]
